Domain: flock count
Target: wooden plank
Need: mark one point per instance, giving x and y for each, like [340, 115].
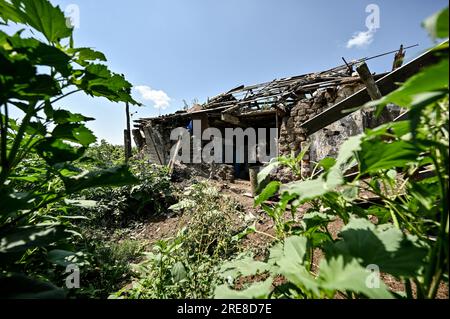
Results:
[154, 148]
[370, 120]
[230, 119]
[127, 144]
[369, 82]
[172, 160]
[386, 85]
[138, 139]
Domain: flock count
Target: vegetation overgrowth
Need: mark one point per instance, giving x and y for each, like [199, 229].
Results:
[67, 200]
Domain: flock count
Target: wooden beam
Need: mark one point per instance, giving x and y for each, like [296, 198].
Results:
[369, 118]
[230, 119]
[172, 160]
[138, 139]
[127, 134]
[386, 85]
[369, 82]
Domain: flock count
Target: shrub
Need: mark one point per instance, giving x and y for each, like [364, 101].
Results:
[187, 266]
[118, 206]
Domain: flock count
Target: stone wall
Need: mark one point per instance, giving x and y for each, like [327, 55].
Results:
[325, 142]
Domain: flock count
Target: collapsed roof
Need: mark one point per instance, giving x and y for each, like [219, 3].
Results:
[270, 97]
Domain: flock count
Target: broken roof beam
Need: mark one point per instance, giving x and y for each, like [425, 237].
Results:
[231, 119]
[386, 85]
[368, 80]
[375, 94]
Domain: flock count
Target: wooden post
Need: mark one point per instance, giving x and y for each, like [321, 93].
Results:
[367, 78]
[230, 119]
[172, 160]
[398, 59]
[127, 134]
[369, 119]
[278, 133]
[138, 139]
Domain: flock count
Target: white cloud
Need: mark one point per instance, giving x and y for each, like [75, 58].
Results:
[159, 98]
[361, 39]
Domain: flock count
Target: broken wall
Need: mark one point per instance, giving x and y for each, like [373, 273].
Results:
[292, 137]
[325, 142]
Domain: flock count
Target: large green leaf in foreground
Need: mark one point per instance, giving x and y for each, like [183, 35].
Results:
[384, 245]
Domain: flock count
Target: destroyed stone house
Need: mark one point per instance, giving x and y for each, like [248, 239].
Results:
[317, 109]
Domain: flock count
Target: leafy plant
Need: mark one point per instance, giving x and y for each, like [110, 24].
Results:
[108, 266]
[404, 233]
[186, 266]
[118, 206]
[34, 75]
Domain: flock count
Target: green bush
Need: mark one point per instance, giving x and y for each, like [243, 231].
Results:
[187, 266]
[118, 206]
[108, 266]
[38, 152]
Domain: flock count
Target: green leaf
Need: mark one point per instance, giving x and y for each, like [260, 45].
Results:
[17, 286]
[74, 132]
[40, 53]
[249, 230]
[41, 86]
[61, 257]
[419, 103]
[292, 267]
[327, 163]
[22, 238]
[178, 272]
[9, 13]
[432, 78]
[295, 248]
[319, 238]
[384, 245]
[81, 203]
[98, 80]
[64, 116]
[56, 151]
[437, 24]
[267, 192]
[338, 275]
[378, 155]
[87, 54]
[13, 202]
[259, 290]
[306, 189]
[36, 128]
[348, 149]
[276, 252]
[44, 17]
[298, 275]
[244, 266]
[115, 176]
[335, 175]
[349, 192]
[315, 219]
[262, 175]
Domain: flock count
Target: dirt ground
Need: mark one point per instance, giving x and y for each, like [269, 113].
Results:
[165, 227]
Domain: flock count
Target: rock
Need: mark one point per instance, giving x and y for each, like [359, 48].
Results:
[222, 172]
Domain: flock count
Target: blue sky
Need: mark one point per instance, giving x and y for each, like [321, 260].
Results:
[199, 48]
